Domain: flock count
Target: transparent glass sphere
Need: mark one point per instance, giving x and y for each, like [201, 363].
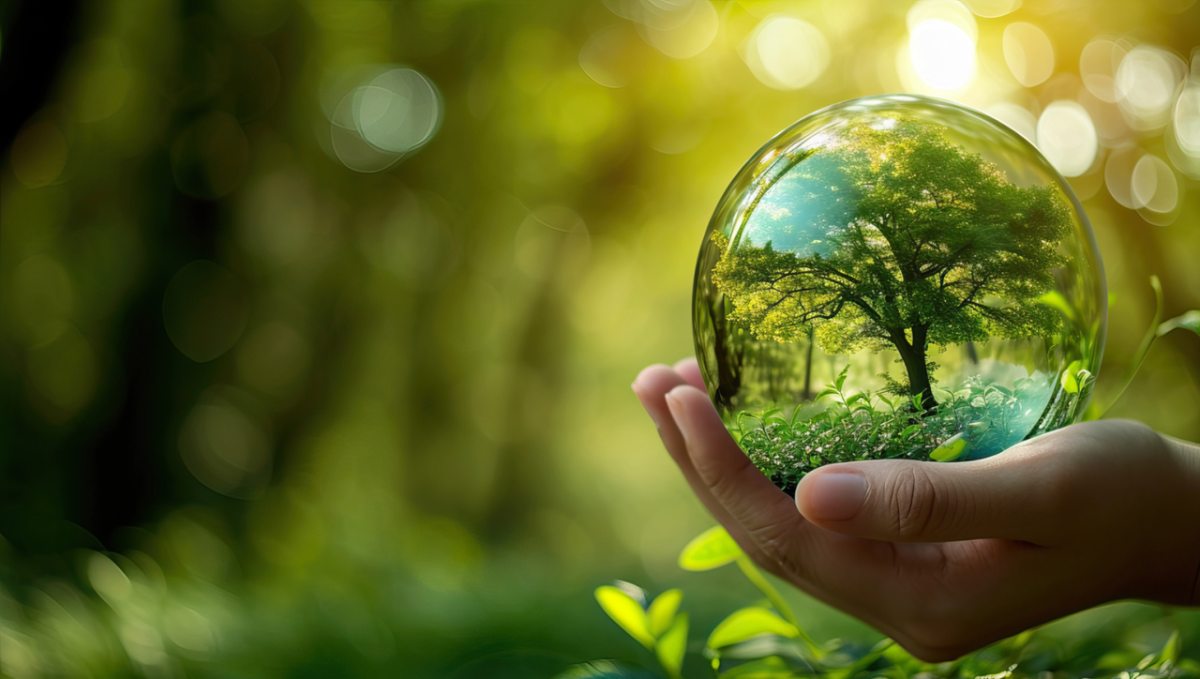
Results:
[896, 277]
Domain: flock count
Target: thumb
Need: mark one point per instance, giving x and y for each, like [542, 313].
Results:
[1017, 496]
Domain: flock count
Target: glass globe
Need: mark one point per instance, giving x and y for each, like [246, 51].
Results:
[896, 277]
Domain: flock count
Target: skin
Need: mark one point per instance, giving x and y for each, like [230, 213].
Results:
[947, 558]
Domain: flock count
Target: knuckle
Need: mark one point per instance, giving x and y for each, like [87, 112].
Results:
[775, 542]
[721, 485]
[913, 501]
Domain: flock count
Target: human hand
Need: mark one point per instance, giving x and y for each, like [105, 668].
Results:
[945, 558]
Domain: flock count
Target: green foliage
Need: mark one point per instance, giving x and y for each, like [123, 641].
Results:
[661, 611]
[746, 623]
[1189, 320]
[626, 612]
[672, 645]
[711, 549]
[756, 642]
[841, 427]
[904, 240]
[659, 627]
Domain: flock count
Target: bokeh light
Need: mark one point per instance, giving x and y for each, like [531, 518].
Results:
[786, 53]
[607, 56]
[1118, 173]
[680, 28]
[1146, 84]
[382, 114]
[397, 111]
[1028, 52]
[1066, 135]
[941, 43]
[990, 9]
[1098, 64]
[1186, 116]
[1154, 190]
[224, 447]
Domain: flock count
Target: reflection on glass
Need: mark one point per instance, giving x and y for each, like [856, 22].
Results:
[897, 277]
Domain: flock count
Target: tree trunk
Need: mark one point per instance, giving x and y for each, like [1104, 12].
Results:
[915, 363]
[728, 353]
[808, 353]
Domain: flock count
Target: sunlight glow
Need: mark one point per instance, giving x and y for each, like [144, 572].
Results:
[942, 54]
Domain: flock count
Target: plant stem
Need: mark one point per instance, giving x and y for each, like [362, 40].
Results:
[760, 581]
[1143, 348]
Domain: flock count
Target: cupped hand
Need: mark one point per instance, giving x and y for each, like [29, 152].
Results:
[948, 557]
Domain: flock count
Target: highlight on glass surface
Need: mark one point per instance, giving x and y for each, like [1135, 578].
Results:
[896, 277]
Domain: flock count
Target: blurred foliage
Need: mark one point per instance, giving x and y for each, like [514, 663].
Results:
[766, 642]
[265, 415]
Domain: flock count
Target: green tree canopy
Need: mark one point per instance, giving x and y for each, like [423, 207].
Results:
[893, 236]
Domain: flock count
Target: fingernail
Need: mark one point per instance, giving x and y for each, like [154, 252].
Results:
[653, 418]
[836, 496]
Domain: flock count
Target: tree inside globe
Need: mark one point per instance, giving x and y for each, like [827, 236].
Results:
[896, 277]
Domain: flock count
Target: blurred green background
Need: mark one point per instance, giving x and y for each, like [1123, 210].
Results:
[263, 413]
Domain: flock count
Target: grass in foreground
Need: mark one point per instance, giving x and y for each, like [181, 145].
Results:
[980, 419]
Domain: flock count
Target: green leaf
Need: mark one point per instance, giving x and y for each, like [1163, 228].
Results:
[1135, 364]
[749, 622]
[910, 430]
[711, 549]
[1170, 652]
[1056, 300]
[841, 378]
[625, 612]
[825, 392]
[662, 611]
[1188, 321]
[951, 449]
[673, 644]
[1069, 382]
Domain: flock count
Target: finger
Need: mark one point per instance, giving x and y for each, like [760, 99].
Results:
[764, 511]
[689, 370]
[1018, 495]
[651, 387]
[863, 577]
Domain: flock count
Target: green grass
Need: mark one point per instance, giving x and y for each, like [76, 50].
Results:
[843, 427]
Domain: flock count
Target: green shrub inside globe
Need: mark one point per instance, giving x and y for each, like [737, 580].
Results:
[896, 277]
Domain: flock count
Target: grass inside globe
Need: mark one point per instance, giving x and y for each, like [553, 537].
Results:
[896, 277]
